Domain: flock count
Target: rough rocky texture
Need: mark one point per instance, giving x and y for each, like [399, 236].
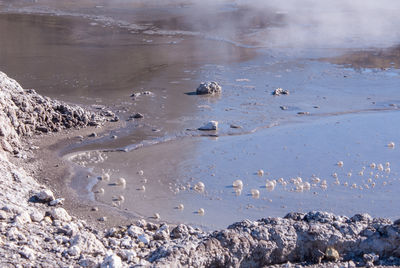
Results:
[24, 113]
[209, 88]
[35, 234]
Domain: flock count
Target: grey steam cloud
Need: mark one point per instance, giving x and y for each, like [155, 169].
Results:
[317, 23]
[337, 23]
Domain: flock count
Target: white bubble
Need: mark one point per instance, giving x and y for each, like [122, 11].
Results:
[199, 187]
[380, 167]
[237, 184]
[121, 182]
[201, 211]
[255, 193]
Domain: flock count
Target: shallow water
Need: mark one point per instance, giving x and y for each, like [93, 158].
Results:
[345, 112]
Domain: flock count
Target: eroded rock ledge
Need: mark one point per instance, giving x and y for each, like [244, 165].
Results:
[42, 233]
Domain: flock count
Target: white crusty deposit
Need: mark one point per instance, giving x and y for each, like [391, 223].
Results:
[36, 231]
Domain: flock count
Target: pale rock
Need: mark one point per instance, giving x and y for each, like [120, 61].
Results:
[135, 231]
[128, 255]
[45, 196]
[3, 215]
[56, 202]
[111, 261]
[22, 218]
[212, 125]
[37, 216]
[144, 238]
[14, 234]
[127, 242]
[88, 243]
[60, 214]
[28, 253]
[74, 251]
[162, 233]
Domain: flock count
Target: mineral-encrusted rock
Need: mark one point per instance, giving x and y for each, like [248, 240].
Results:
[57, 202]
[212, 125]
[24, 112]
[88, 243]
[280, 91]
[111, 261]
[60, 214]
[208, 88]
[45, 196]
[137, 116]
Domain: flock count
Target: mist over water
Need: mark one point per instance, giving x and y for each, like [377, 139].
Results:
[273, 23]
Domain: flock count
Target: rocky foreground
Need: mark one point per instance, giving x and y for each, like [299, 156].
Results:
[35, 231]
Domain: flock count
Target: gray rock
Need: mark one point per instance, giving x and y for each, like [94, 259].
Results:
[280, 91]
[60, 214]
[37, 216]
[208, 88]
[74, 251]
[144, 238]
[28, 253]
[179, 231]
[45, 196]
[162, 233]
[22, 218]
[137, 116]
[56, 202]
[3, 215]
[212, 125]
[111, 261]
[88, 243]
[135, 231]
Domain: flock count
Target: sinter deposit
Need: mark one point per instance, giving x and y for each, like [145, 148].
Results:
[36, 231]
[209, 88]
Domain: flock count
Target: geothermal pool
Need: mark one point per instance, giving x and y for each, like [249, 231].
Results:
[325, 146]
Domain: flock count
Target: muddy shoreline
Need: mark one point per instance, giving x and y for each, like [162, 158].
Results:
[303, 238]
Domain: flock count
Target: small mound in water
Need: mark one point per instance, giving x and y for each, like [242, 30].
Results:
[209, 88]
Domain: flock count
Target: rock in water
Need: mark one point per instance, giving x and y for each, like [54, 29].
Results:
[208, 88]
[212, 125]
[280, 91]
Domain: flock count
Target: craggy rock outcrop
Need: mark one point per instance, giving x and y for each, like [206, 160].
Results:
[35, 231]
[24, 112]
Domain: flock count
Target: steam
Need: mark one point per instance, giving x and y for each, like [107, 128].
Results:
[308, 23]
[269, 23]
[339, 23]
